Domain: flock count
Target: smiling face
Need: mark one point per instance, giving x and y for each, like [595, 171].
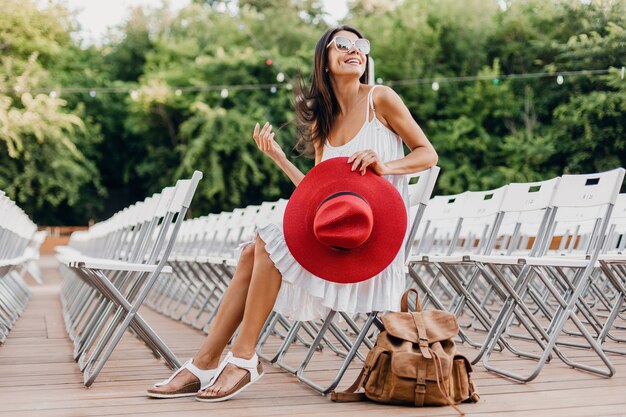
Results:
[349, 63]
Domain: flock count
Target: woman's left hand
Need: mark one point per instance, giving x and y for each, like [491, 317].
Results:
[367, 158]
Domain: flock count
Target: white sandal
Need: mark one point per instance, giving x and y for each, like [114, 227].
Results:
[255, 372]
[205, 379]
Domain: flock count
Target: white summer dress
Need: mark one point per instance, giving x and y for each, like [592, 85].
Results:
[302, 295]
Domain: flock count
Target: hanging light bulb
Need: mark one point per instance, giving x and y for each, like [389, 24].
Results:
[280, 77]
[379, 80]
[273, 89]
[559, 79]
[92, 93]
[53, 94]
[224, 93]
[435, 86]
[134, 94]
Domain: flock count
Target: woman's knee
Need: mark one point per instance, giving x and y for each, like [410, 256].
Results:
[247, 254]
[260, 253]
[244, 266]
[246, 258]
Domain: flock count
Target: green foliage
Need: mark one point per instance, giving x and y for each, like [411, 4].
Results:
[60, 156]
[41, 166]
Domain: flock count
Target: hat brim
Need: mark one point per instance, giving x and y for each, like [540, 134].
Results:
[336, 265]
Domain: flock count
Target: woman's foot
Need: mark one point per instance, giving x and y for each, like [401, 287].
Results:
[185, 382]
[237, 374]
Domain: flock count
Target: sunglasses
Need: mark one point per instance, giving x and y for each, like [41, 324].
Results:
[343, 44]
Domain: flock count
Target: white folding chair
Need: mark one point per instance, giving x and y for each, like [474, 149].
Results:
[140, 250]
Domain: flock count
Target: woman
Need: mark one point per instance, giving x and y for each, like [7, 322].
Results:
[341, 115]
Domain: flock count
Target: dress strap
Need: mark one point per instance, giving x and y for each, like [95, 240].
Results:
[370, 103]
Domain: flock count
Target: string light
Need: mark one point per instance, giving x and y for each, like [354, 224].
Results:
[435, 83]
[495, 80]
[224, 92]
[53, 94]
[559, 79]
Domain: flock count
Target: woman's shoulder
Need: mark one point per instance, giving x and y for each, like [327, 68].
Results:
[385, 96]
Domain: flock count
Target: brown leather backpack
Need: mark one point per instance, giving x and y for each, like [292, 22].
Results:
[414, 362]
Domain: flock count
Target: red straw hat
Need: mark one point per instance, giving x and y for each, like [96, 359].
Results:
[342, 226]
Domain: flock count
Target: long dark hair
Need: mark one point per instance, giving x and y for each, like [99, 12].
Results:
[317, 108]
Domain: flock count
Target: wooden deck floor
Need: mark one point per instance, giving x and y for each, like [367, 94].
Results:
[39, 378]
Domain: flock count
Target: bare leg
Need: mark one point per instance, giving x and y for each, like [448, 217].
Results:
[224, 324]
[266, 281]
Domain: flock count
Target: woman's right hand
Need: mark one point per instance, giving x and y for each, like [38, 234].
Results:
[264, 139]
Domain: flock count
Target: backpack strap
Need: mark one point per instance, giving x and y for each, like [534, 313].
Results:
[404, 302]
[350, 395]
[421, 334]
[420, 386]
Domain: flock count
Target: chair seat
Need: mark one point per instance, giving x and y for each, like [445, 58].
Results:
[495, 259]
[216, 260]
[230, 262]
[560, 261]
[66, 250]
[613, 258]
[184, 258]
[112, 265]
[13, 261]
[436, 258]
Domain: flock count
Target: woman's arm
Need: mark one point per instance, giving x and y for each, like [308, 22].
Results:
[393, 113]
[294, 174]
[319, 147]
[264, 139]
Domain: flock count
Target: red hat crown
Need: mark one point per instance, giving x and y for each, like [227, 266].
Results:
[343, 221]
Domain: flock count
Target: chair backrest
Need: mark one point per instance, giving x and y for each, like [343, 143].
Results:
[441, 222]
[481, 218]
[16, 229]
[526, 208]
[421, 187]
[174, 217]
[586, 202]
[242, 220]
[616, 236]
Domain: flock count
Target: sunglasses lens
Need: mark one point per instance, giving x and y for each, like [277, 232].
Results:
[363, 45]
[343, 44]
